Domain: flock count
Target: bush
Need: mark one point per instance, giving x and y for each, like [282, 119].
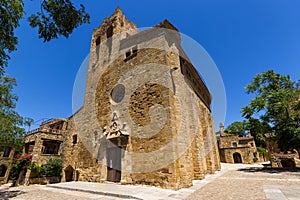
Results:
[262, 150]
[53, 168]
[36, 169]
[255, 159]
[17, 165]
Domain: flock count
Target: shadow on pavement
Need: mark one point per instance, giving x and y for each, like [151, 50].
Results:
[269, 170]
[4, 195]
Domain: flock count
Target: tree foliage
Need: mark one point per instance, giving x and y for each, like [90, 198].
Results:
[56, 17]
[11, 131]
[53, 167]
[275, 108]
[11, 11]
[254, 126]
[238, 128]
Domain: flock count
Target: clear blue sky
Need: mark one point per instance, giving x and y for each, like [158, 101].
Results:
[243, 37]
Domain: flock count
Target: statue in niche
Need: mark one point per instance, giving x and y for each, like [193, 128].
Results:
[116, 129]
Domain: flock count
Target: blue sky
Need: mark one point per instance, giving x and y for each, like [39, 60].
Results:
[243, 37]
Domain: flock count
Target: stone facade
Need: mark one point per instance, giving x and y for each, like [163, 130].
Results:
[6, 157]
[235, 149]
[146, 117]
[279, 159]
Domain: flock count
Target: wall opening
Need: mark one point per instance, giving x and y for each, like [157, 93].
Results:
[234, 145]
[69, 171]
[109, 32]
[7, 152]
[114, 164]
[29, 147]
[237, 158]
[3, 170]
[74, 139]
[50, 147]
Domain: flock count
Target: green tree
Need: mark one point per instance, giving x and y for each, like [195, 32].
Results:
[11, 11]
[238, 128]
[53, 167]
[275, 108]
[55, 18]
[254, 126]
[11, 131]
[258, 129]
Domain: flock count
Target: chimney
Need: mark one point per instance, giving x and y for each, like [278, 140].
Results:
[222, 133]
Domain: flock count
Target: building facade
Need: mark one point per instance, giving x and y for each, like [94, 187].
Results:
[146, 117]
[6, 156]
[236, 149]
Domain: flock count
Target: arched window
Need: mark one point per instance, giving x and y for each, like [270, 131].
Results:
[109, 32]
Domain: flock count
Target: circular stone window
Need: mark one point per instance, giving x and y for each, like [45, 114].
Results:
[118, 93]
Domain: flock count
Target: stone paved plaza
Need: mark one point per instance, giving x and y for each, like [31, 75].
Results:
[232, 182]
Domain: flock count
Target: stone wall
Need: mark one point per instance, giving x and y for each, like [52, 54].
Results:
[166, 111]
[141, 86]
[38, 138]
[245, 146]
[76, 156]
[5, 163]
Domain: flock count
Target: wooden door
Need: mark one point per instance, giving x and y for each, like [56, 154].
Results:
[114, 164]
[237, 158]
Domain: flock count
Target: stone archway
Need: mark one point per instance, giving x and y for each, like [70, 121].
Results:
[69, 172]
[237, 158]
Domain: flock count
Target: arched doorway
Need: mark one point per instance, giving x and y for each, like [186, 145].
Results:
[69, 171]
[237, 158]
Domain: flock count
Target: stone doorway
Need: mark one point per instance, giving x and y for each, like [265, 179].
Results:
[114, 164]
[237, 158]
[69, 171]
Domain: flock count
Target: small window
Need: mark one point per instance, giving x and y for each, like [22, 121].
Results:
[50, 147]
[134, 50]
[109, 32]
[234, 145]
[131, 53]
[74, 139]
[29, 147]
[7, 152]
[98, 41]
[128, 53]
[122, 23]
[252, 145]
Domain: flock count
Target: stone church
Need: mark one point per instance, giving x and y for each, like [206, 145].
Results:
[146, 117]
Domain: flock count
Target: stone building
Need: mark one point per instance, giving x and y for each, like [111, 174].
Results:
[236, 149]
[146, 117]
[6, 157]
[279, 159]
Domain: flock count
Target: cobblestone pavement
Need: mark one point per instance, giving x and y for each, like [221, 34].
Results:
[232, 182]
[251, 182]
[41, 192]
